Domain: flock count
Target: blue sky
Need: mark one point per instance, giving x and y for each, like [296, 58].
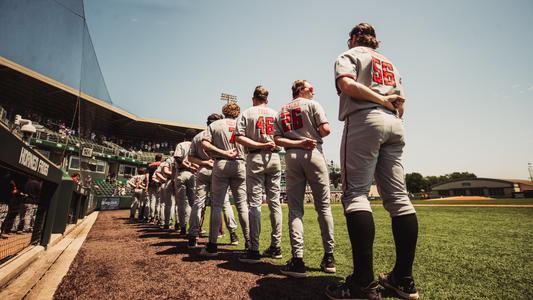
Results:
[466, 67]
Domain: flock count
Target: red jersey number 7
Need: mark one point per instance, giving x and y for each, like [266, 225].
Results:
[232, 139]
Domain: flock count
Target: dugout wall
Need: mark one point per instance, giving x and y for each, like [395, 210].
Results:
[28, 182]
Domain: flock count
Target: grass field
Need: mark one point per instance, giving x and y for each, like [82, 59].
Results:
[509, 201]
[463, 252]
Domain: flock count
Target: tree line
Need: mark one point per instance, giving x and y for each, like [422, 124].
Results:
[417, 183]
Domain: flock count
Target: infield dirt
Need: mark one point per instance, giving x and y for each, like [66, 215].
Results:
[140, 261]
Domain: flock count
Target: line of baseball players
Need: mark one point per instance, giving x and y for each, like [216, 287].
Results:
[239, 153]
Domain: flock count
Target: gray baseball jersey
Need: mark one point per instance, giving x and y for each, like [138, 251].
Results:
[300, 119]
[138, 181]
[182, 150]
[167, 191]
[263, 169]
[373, 139]
[185, 183]
[227, 173]
[203, 187]
[196, 148]
[369, 68]
[221, 134]
[257, 123]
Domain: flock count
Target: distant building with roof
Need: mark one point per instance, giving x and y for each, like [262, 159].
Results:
[488, 187]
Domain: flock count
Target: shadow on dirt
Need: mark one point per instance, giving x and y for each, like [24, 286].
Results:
[312, 287]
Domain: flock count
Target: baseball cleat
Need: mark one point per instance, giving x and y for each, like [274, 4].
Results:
[183, 231]
[210, 250]
[350, 290]
[403, 287]
[193, 243]
[273, 252]
[250, 257]
[295, 267]
[234, 239]
[328, 263]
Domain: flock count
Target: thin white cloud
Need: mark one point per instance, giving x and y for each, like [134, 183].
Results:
[530, 88]
[515, 86]
[134, 20]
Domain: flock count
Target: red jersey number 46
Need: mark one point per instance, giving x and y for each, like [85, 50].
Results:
[265, 125]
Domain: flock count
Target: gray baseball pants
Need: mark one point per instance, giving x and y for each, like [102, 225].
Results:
[136, 204]
[308, 167]
[232, 174]
[152, 199]
[203, 188]
[263, 169]
[185, 196]
[167, 202]
[372, 147]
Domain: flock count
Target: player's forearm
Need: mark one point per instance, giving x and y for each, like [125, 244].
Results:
[208, 147]
[248, 142]
[356, 90]
[197, 161]
[324, 129]
[286, 142]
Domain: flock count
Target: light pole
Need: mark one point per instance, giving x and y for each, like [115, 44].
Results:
[228, 98]
[530, 169]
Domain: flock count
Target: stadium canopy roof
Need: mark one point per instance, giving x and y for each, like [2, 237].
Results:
[48, 63]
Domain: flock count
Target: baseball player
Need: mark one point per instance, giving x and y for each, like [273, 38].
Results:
[139, 184]
[185, 181]
[300, 127]
[153, 193]
[163, 175]
[198, 156]
[255, 131]
[228, 171]
[371, 104]
[168, 201]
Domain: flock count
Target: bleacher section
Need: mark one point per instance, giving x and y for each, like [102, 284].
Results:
[72, 140]
[104, 188]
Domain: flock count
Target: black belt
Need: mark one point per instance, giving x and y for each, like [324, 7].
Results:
[262, 150]
[223, 158]
[369, 108]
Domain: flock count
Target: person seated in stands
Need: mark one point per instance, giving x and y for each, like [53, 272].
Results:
[76, 177]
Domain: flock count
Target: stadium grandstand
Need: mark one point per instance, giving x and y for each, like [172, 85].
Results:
[53, 79]
[66, 145]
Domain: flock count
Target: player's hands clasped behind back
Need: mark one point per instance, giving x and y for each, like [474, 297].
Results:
[308, 144]
[209, 163]
[394, 103]
[231, 153]
[270, 145]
